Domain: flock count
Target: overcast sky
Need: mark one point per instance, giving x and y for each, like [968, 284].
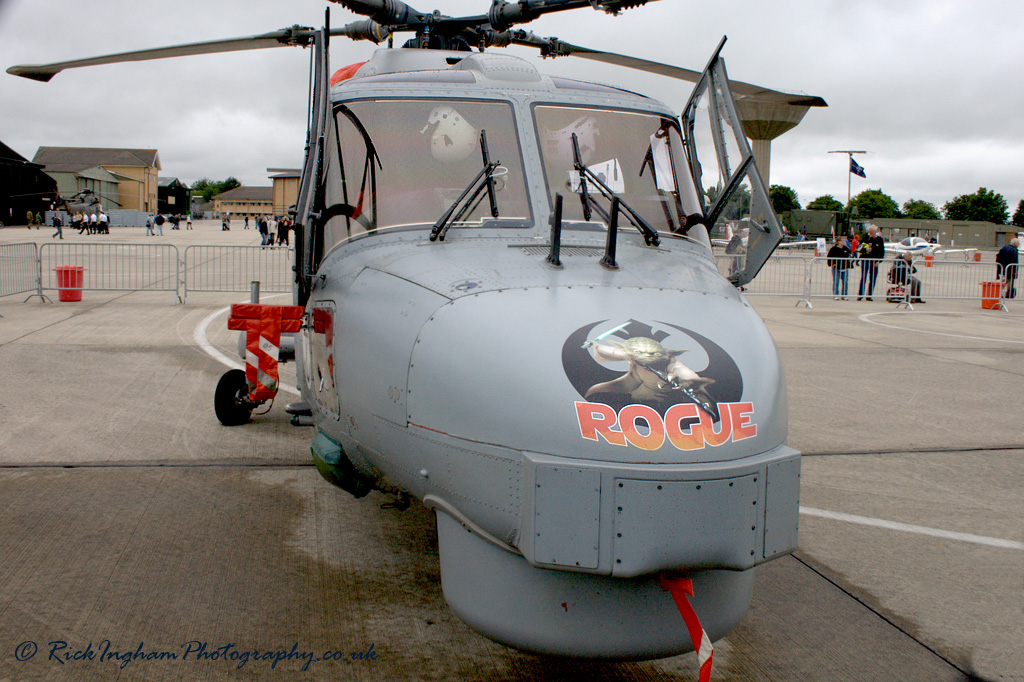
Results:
[931, 89]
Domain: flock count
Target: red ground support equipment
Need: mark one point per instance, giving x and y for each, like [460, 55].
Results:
[990, 295]
[263, 326]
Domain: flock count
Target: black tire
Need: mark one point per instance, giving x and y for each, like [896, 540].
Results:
[231, 399]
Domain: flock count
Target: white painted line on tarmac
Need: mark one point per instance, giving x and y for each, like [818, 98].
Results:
[909, 528]
[865, 318]
[200, 337]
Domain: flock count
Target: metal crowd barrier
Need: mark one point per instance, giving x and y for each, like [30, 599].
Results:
[939, 280]
[24, 267]
[234, 268]
[19, 269]
[111, 267]
[780, 275]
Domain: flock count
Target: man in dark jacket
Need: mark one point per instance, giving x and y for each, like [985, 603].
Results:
[838, 258]
[1007, 265]
[871, 252]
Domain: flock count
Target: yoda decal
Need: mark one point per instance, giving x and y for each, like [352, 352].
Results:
[655, 375]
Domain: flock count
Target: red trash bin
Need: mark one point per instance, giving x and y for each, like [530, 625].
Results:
[977, 256]
[990, 294]
[69, 282]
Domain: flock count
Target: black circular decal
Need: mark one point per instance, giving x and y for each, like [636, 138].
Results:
[635, 363]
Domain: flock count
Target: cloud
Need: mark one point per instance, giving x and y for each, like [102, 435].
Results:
[929, 87]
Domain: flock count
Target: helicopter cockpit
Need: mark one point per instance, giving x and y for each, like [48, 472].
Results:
[403, 162]
[414, 161]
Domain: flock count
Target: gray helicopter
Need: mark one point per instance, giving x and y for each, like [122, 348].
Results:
[507, 306]
[85, 201]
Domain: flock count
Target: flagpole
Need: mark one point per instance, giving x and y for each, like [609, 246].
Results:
[849, 167]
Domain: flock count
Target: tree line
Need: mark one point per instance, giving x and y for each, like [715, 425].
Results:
[208, 188]
[874, 203]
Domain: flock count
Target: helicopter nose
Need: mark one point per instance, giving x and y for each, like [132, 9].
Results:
[545, 370]
[583, 472]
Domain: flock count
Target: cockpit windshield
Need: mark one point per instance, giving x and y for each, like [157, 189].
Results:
[638, 156]
[392, 163]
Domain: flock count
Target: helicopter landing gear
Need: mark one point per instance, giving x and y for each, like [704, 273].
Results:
[231, 399]
[240, 392]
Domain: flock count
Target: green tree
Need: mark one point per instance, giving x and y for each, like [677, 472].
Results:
[920, 210]
[982, 205]
[783, 199]
[231, 183]
[1018, 215]
[826, 203]
[203, 188]
[736, 207]
[208, 188]
[874, 203]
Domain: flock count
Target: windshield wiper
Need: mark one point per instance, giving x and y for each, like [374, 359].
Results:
[650, 234]
[484, 180]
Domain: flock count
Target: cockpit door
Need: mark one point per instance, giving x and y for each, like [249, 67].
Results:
[309, 239]
[735, 201]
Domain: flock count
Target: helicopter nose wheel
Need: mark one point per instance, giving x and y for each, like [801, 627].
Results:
[231, 399]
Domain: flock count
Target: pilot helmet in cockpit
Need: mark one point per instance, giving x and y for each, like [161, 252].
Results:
[453, 139]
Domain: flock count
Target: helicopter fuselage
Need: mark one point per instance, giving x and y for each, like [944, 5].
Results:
[579, 427]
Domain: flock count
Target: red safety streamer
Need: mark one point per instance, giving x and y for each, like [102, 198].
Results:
[680, 588]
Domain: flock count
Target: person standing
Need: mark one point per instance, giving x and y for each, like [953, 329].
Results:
[283, 226]
[1006, 267]
[838, 258]
[188, 222]
[872, 252]
[271, 229]
[149, 226]
[261, 225]
[59, 224]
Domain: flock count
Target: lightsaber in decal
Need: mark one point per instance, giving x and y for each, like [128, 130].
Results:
[704, 404]
[589, 343]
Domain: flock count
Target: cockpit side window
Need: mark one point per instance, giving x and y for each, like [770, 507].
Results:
[404, 162]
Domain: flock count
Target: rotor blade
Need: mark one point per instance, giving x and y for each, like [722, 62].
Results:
[504, 15]
[387, 12]
[365, 29]
[295, 35]
[556, 48]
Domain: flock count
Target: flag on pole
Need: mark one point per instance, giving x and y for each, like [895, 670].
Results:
[856, 168]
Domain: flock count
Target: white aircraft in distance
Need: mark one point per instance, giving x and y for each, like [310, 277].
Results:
[921, 246]
[913, 245]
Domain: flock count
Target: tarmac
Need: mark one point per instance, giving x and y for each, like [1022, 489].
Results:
[134, 526]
